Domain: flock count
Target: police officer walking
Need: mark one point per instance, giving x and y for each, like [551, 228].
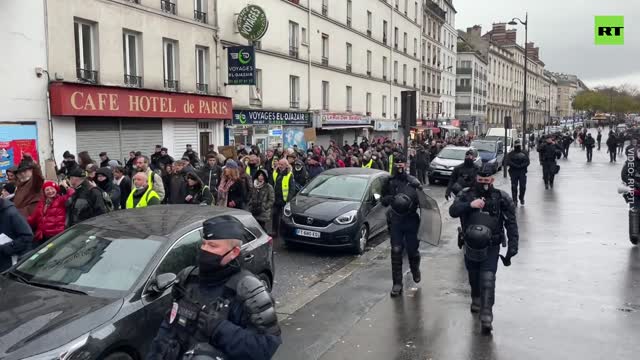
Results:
[485, 213]
[518, 162]
[401, 193]
[463, 175]
[549, 152]
[589, 144]
[219, 310]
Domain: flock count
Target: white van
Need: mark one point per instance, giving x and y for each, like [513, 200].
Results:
[498, 134]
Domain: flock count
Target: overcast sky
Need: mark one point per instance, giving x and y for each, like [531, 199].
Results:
[564, 31]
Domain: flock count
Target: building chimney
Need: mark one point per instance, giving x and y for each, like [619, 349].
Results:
[511, 36]
[475, 31]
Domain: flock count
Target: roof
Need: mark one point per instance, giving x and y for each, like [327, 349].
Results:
[354, 171]
[160, 220]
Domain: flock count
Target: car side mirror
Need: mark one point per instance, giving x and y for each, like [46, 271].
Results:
[162, 282]
[377, 197]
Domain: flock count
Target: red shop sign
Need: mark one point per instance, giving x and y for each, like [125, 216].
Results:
[68, 99]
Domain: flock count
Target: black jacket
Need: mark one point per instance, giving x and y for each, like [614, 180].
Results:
[518, 162]
[105, 163]
[15, 226]
[589, 142]
[612, 142]
[177, 189]
[200, 193]
[462, 176]
[401, 184]
[549, 153]
[422, 159]
[86, 203]
[109, 187]
[210, 176]
[497, 203]
[125, 190]
[277, 187]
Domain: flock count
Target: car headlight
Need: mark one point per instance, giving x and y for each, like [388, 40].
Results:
[347, 218]
[65, 352]
[287, 210]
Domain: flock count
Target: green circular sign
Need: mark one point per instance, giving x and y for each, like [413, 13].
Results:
[252, 22]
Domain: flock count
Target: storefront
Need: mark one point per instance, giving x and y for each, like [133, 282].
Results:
[341, 127]
[268, 129]
[386, 129]
[16, 139]
[425, 129]
[118, 120]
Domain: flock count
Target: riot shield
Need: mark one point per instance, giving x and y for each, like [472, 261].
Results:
[430, 220]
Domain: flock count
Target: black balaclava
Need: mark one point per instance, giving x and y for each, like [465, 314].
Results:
[211, 270]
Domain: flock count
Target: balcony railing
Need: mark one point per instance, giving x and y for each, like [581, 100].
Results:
[325, 61]
[325, 10]
[200, 16]
[463, 70]
[294, 104]
[429, 90]
[133, 81]
[168, 6]
[293, 51]
[202, 88]
[348, 67]
[460, 106]
[87, 75]
[172, 85]
[463, 88]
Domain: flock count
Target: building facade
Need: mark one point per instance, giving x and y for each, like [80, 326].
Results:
[449, 46]
[129, 75]
[568, 86]
[24, 127]
[434, 18]
[471, 89]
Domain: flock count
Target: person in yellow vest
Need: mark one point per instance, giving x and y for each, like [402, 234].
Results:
[253, 166]
[285, 188]
[370, 161]
[142, 195]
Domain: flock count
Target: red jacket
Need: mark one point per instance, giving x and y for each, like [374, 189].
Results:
[50, 222]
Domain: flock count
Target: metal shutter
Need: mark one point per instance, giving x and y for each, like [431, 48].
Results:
[96, 135]
[184, 132]
[140, 135]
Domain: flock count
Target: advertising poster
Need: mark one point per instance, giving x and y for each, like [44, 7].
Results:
[294, 136]
[15, 141]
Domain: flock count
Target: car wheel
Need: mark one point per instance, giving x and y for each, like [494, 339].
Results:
[431, 180]
[118, 356]
[362, 237]
[266, 281]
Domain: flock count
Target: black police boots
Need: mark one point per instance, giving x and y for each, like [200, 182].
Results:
[414, 264]
[474, 281]
[487, 299]
[396, 271]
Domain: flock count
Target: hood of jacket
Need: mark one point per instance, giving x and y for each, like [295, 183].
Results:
[106, 185]
[194, 175]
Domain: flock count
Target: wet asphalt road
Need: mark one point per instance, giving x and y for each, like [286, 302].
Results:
[573, 291]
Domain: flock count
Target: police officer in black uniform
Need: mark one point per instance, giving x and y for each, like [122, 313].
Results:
[219, 310]
[518, 162]
[403, 220]
[549, 153]
[485, 213]
[463, 175]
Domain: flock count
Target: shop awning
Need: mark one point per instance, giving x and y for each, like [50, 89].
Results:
[339, 127]
[434, 130]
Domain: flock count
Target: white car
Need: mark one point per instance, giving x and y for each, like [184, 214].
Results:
[448, 158]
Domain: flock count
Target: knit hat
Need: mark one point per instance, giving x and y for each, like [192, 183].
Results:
[231, 164]
[52, 184]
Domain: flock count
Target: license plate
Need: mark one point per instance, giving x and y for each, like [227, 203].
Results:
[308, 233]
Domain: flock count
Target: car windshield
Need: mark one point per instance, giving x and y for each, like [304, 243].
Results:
[452, 154]
[484, 146]
[341, 187]
[96, 261]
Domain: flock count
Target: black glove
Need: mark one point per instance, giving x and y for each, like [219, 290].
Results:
[512, 251]
[460, 238]
[208, 322]
[447, 196]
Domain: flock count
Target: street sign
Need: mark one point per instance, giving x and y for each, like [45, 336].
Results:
[252, 23]
[242, 65]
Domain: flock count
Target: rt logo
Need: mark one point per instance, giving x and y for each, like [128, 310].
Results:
[609, 30]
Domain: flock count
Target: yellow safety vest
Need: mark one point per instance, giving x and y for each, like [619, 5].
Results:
[368, 166]
[248, 171]
[285, 184]
[390, 163]
[144, 200]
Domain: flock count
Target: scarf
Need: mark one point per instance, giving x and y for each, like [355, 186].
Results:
[223, 191]
[258, 185]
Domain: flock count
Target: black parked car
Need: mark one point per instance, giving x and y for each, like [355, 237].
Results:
[491, 152]
[100, 289]
[339, 208]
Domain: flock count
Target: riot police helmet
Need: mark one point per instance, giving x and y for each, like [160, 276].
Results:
[478, 236]
[401, 204]
[486, 171]
[399, 159]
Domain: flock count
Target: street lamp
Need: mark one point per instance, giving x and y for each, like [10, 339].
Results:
[524, 103]
[546, 103]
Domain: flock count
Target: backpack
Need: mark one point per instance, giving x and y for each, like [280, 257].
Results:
[108, 204]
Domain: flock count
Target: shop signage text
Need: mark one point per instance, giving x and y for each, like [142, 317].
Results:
[86, 100]
[257, 117]
[252, 22]
[242, 65]
[386, 125]
[344, 119]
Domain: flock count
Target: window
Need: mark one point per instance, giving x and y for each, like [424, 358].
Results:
[130, 54]
[424, 81]
[293, 39]
[170, 76]
[384, 105]
[424, 50]
[325, 7]
[200, 11]
[168, 6]
[406, 7]
[395, 71]
[415, 78]
[349, 102]
[294, 92]
[397, 4]
[404, 74]
[325, 95]
[395, 38]
[369, 22]
[368, 104]
[255, 95]
[202, 56]
[415, 47]
[404, 42]
[325, 49]
[349, 57]
[304, 36]
[184, 253]
[395, 107]
[415, 11]
[349, 9]
[384, 68]
[369, 62]
[384, 31]
[86, 68]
